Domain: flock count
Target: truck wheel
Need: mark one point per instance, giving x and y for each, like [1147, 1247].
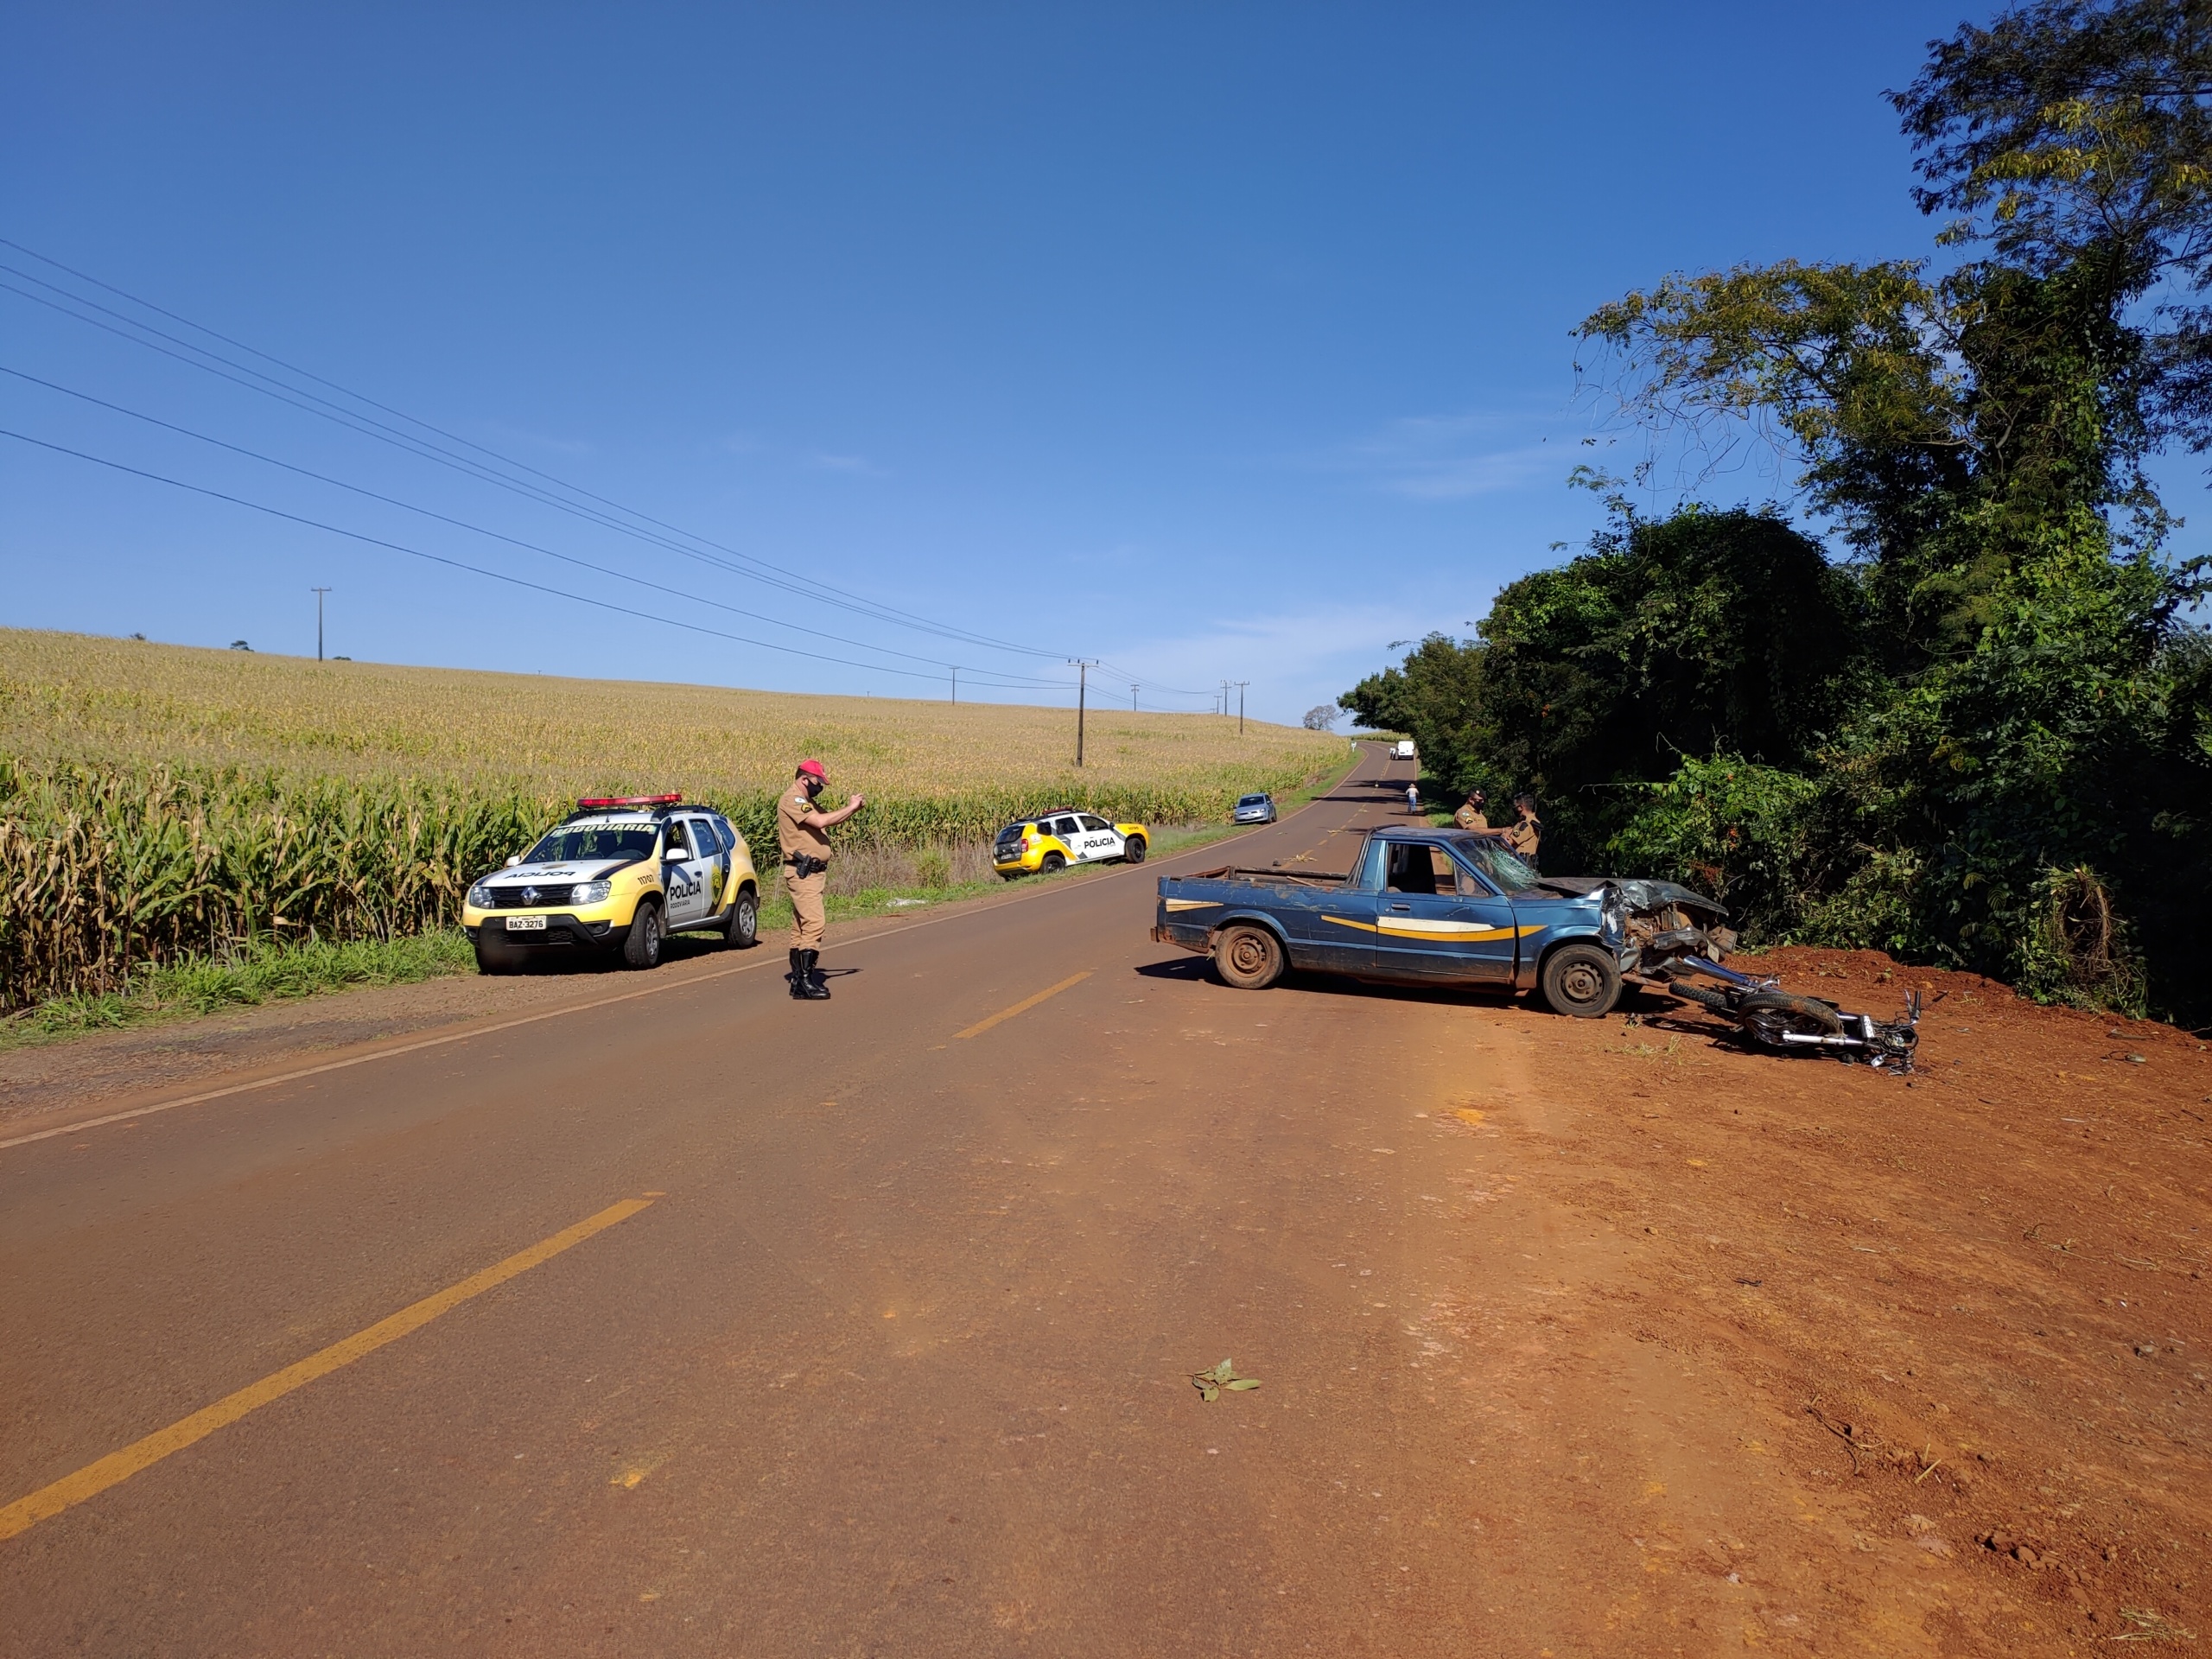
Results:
[642, 948]
[743, 928]
[1052, 862]
[1581, 980]
[1250, 958]
[1133, 850]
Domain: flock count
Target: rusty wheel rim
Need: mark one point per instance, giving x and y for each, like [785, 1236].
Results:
[1249, 954]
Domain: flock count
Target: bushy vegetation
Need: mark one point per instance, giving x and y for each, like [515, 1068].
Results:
[1981, 732]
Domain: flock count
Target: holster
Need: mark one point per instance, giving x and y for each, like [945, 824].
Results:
[805, 864]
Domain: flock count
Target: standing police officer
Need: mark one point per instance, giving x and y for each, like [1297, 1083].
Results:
[1470, 815]
[802, 835]
[1526, 835]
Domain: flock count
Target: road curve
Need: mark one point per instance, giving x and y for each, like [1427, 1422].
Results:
[887, 1353]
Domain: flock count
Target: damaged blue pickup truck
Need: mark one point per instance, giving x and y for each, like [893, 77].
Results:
[1439, 908]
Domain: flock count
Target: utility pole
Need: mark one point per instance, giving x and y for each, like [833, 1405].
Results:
[319, 593]
[1225, 700]
[1241, 684]
[1132, 699]
[956, 688]
[1082, 665]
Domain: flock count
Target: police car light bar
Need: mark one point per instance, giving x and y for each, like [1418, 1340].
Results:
[630, 800]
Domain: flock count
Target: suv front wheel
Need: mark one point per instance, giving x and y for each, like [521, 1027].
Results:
[642, 948]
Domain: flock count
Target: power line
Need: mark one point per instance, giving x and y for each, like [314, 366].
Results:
[749, 566]
[822, 592]
[496, 575]
[1172, 690]
[462, 523]
[377, 430]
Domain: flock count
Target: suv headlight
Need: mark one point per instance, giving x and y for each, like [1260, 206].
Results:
[592, 893]
[480, 897]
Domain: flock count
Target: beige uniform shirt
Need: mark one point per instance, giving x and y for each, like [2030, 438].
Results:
[1470, 817]
[793, 833]
[1524, 836]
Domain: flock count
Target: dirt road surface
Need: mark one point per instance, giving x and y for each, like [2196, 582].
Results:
[866, 1327]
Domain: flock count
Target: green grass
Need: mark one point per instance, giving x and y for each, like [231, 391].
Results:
[251, 975]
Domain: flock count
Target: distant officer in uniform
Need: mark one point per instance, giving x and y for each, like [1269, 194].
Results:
[802, 835]
[1470, 815]
[1526, 836]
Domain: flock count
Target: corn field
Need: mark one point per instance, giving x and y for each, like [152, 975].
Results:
[127, 844]
[74, 698]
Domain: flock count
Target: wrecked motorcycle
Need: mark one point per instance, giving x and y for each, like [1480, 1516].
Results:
[1675, 940]
[1777, 1019]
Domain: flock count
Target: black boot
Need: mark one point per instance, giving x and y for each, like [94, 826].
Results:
[796, 978]
[810, 976]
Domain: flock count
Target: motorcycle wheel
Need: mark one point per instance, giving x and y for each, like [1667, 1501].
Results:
[1717, 1001]
[1767, 1015]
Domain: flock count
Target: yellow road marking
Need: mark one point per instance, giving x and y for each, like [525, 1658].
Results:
[96, 1478]
[1022, 1007]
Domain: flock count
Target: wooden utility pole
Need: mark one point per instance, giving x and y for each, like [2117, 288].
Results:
[1241, 684]
[1082, 665]
[319, 593]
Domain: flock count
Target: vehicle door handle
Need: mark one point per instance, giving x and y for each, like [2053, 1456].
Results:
[1401, 907]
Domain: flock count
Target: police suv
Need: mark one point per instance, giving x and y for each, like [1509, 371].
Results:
[1062, 836]
[620, 875]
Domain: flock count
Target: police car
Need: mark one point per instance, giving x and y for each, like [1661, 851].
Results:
[1062, 836]
[620, 875]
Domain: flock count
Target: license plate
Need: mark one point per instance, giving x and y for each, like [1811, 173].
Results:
[525, 924]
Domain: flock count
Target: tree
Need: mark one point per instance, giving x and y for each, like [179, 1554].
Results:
[1320, 717]
[1986, 736]
[1433, 697]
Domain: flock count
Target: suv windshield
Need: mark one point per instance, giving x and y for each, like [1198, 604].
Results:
[581, 843]
[1511, 873]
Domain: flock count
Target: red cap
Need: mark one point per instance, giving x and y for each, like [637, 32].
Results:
[813, 768]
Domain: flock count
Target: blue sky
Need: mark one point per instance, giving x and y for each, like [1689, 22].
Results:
[1215, 342]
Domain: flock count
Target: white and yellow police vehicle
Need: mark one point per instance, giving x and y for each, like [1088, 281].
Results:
[621, 875]
[1052, 841]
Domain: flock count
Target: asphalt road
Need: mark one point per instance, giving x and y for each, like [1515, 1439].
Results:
[889, 1355]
